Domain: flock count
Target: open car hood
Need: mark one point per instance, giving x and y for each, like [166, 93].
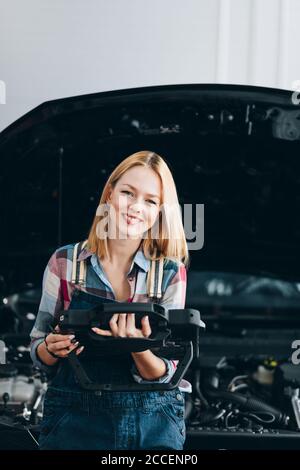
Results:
[235, 149]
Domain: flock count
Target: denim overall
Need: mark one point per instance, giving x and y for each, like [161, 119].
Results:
[75, 418]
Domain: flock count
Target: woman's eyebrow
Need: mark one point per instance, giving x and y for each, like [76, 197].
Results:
[132, 187]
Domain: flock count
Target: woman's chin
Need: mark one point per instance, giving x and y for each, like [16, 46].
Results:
[130, 232]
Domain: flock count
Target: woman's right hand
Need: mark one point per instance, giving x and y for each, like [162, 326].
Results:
[62, 345]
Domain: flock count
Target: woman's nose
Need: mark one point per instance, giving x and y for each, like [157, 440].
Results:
[136, 207]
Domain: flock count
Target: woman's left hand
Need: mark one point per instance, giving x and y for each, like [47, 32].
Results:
[123, 325]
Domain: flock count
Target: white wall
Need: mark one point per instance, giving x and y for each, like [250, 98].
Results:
[56, 48]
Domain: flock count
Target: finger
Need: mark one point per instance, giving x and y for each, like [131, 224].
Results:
[101, 332]
[131, 330]
[114, 318]
[113, 324]
[130, 320]
[73, 346]
[146, 329]
[57, 329]
[79, 350]
[60, 345]
[122, 325]
[53, 338]
[66, 351]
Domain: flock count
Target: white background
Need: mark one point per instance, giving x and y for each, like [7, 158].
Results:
[56, 48]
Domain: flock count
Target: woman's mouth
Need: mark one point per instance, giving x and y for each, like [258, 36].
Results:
[131, 220]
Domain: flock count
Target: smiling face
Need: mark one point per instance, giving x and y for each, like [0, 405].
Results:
[135, 202]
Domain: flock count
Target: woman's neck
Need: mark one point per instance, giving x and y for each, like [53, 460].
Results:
[122, 252]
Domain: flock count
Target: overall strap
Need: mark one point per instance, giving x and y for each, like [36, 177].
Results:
[78, 268]
[154, 278]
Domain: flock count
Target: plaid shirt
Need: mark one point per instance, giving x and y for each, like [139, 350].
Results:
[58, 290]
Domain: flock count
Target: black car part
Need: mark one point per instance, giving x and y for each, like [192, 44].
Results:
[182, 326]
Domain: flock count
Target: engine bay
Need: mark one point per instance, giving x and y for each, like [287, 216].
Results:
[245, 380]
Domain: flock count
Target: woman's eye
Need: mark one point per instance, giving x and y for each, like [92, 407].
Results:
[131, 194]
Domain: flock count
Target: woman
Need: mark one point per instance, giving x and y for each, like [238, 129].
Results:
[130, 230]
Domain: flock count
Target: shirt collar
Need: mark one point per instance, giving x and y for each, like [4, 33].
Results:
[139, 258]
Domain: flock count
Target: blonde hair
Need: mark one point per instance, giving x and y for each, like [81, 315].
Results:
[171, 241]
